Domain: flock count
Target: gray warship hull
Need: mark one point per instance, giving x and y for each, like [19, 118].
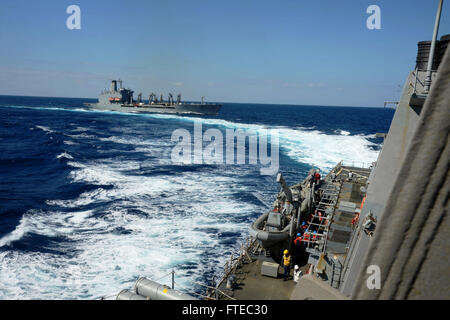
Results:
[183, 108]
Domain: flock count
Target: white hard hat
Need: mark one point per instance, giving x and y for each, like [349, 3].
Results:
[296, 267]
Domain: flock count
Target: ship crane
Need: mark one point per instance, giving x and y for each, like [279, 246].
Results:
[152, 98]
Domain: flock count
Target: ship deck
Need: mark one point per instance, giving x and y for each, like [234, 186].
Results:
[250, 284]
[341, 229]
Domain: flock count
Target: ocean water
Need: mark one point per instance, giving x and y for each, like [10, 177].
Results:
[91, 200]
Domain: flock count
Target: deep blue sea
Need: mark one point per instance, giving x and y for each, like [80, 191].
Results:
[91, 200]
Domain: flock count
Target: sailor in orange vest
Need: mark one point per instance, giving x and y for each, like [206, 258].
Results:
[298, 246]
[306, 238]
[298, 240]
[317, 177]
[314, 237]
[286, 264]
[320, 214]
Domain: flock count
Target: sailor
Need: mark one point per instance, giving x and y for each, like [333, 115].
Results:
[298, 247]
[306, 238]
[317, 177]
[350, 176]
[298, 240]
[297, 273]
[314, 238]
[320, 214]
[304, 226]
[286, 264]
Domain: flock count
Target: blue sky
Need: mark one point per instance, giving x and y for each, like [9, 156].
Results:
[291, 52]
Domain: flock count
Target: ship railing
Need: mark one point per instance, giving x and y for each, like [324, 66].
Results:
[208, 289]
[416, 79]
[172, 274]
[229, 268]
[355, 164]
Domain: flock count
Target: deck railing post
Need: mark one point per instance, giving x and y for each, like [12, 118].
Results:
[173, 279]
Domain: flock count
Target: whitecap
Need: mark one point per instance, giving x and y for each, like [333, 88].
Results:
[64, 155]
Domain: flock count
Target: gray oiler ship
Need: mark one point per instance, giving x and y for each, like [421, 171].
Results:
[121, 99]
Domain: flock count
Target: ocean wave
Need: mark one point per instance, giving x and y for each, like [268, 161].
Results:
[43, 128]
[342, 132]
[303, 145]
[114, 246]
[64, 155]
[325, 151]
